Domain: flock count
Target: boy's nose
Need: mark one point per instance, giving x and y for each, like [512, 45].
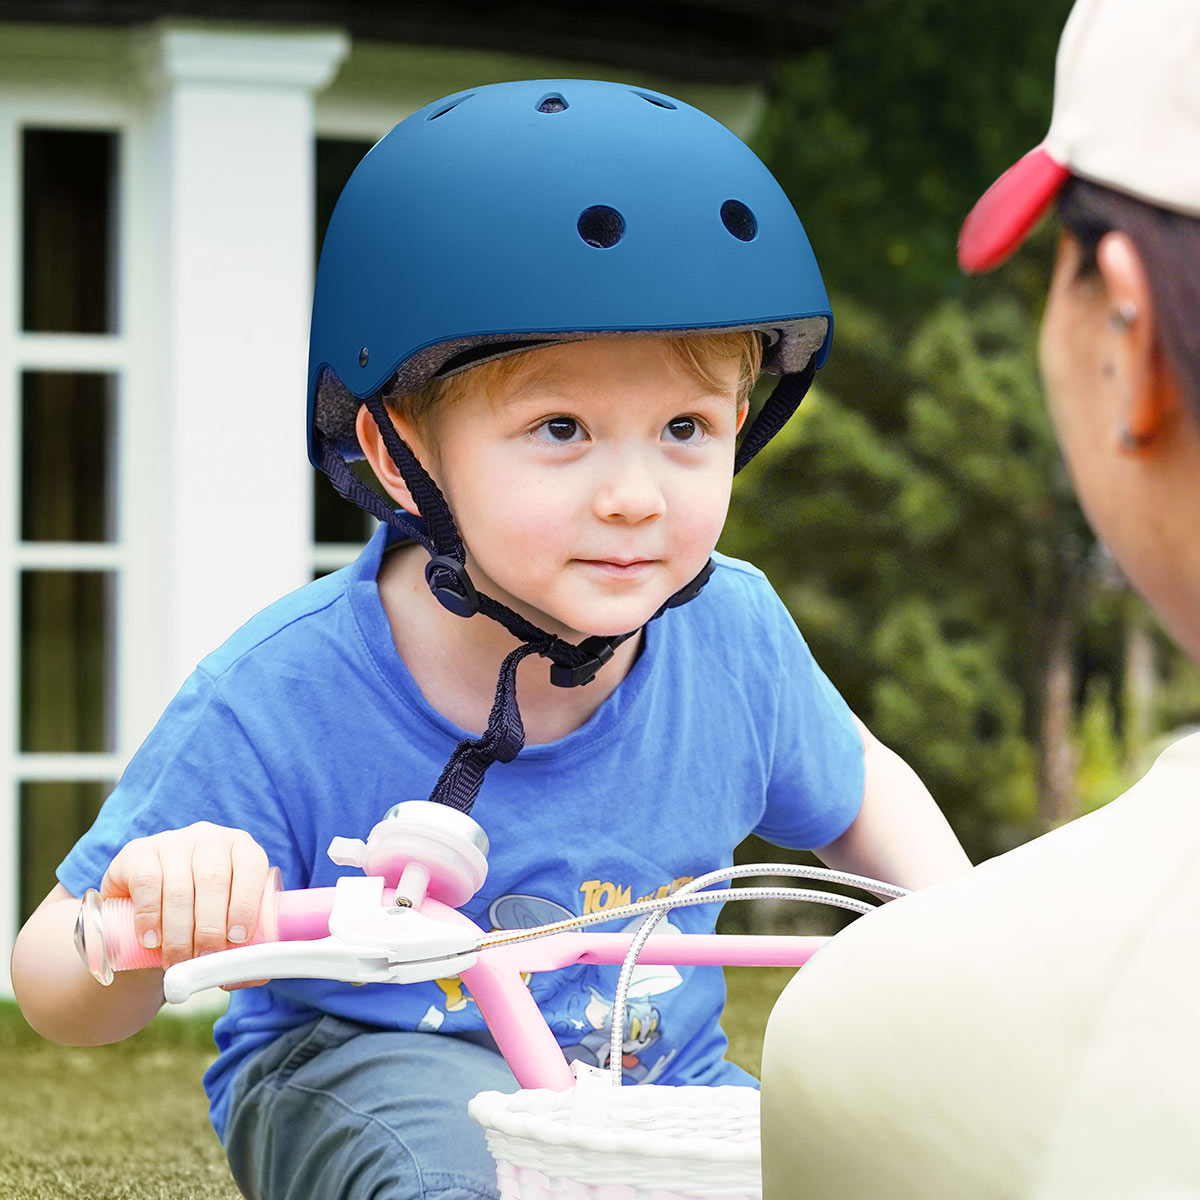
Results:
[628, 491]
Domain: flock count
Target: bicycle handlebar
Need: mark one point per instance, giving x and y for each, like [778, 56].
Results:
[400, 924]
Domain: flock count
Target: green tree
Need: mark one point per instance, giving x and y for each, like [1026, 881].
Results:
[916, 517]
[885, 137]
[925, 556]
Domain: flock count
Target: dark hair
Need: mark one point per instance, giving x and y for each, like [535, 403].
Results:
[1169, 245]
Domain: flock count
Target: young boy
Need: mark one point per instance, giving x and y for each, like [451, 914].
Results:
[557, 295]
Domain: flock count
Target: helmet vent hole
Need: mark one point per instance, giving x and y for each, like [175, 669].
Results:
[739, 220]
[657, 101]
[601, 226]
[441, 112]
[552, 104]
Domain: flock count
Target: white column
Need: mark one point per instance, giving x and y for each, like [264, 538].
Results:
[234, 225]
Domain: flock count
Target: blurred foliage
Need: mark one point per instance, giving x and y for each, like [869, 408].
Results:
[915, 515]
[1102, 773]
[1177, 700]
[919, 528]
[886, 137]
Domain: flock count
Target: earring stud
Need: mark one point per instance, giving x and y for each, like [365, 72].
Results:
[1129, 441]
[1123, 315]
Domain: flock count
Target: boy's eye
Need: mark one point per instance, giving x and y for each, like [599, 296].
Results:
[685, 429]
[561, 429]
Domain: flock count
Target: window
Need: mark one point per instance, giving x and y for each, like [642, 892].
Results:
[131, 541]
[65, 534]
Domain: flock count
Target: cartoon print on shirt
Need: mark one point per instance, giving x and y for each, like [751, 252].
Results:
[583, 993]
[508, 912]
[641, 1032]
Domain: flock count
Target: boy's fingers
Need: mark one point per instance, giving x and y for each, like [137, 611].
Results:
[246, 889]
[211, 872]
[178, 902]
[137, 872]
[194, 890]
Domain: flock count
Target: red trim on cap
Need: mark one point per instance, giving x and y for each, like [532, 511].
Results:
[1008, 210]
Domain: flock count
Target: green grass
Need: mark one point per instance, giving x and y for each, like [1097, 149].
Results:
[123, 1122]
[752, 994]
[130, 1122]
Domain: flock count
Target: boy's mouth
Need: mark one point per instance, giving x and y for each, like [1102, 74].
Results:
[620, 567]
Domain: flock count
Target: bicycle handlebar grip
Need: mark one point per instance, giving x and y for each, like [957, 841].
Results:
[106, 941]
[124, 951]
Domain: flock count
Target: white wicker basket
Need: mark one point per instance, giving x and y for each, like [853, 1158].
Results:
[631, 1143]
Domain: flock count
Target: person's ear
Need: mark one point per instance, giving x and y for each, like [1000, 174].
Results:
[743, 410]
[1150, 398]
[371, 442]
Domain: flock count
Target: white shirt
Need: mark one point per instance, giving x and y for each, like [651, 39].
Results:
[1029, 1030]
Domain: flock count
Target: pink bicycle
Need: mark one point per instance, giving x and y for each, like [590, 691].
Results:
[570, 1132]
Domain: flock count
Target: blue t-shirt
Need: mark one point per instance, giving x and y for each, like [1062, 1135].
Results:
[306, 725]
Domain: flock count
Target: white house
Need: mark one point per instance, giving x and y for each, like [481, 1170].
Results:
[163, 182]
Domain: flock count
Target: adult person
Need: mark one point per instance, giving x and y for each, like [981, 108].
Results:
[1033, 1028]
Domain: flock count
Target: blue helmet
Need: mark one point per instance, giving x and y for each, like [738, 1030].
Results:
[498, 218]
[502, 218]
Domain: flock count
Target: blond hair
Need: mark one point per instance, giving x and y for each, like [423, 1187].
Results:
[697, 353]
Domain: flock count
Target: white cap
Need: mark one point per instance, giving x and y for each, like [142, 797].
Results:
[1126, 115]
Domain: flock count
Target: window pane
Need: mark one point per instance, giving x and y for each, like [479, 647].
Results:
[69, 235]
[53, 816]
[68, 435]
[66, 660]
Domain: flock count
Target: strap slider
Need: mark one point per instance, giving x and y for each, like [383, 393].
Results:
[451, 585]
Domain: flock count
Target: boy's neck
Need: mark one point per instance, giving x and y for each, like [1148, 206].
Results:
[456, 662]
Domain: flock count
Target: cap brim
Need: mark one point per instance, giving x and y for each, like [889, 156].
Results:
[1008, 210]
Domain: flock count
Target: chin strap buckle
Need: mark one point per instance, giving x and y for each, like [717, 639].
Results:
[451, 585]
[598, 650]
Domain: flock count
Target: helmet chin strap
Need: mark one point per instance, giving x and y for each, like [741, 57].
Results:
[446, 573]
[783, 401]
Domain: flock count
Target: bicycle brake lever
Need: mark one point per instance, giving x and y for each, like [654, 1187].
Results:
[367, 944]
[326, 958]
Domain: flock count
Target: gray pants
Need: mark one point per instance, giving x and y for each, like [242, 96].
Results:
[339, 1111]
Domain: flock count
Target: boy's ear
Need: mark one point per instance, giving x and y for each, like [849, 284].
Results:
[743, 410]
[376, 454]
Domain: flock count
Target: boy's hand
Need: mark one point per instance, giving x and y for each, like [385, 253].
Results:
[194, 890]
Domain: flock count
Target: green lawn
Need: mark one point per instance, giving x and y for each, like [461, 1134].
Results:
[129, 1122]
[124, 1122]
[752, 994]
